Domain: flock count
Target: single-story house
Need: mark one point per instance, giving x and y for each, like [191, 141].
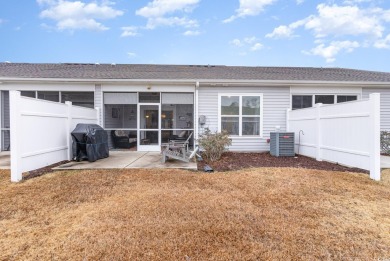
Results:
[149, 104]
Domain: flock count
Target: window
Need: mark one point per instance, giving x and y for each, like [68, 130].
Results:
[346, 98]
[306, 100]
[149, 97]
[240, 115]
[301, 101]
[49, 96]
[30, 94]
[324, 99]
[84, 99]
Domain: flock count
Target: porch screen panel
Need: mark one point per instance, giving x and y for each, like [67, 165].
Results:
[177, 115]
[5, 121]
[120, 110]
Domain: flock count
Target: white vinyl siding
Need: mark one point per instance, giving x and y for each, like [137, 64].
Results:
[385, 104]
[98, 98]
[276, 101]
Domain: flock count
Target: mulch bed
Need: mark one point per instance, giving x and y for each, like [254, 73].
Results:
[237, 161]
[39, 172]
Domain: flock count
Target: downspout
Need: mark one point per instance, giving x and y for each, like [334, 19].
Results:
[196, 113]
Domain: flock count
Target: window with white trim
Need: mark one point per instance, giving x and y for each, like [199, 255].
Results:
[240, 115]
[300, 101]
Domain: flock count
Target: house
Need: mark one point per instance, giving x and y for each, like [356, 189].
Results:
[142, 106]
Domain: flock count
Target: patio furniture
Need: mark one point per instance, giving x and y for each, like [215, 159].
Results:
[181, 136]
[122, 140]
[179, 150]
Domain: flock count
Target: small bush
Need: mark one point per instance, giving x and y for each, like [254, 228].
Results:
[214, 144]
[385, 142]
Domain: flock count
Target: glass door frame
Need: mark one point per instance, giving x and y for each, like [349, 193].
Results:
[143, 147]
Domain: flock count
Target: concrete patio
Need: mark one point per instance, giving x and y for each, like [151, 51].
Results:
[129, 160]
[5, 160]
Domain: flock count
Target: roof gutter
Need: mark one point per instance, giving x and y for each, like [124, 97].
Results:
[202, 82]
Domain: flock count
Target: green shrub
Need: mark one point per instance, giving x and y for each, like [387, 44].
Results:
[214, 144]
[385, 142]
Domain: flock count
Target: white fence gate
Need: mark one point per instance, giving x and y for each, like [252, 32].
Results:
[345, 133]
[40, 132]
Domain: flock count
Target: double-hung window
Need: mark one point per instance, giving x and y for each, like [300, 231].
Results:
[241, 115]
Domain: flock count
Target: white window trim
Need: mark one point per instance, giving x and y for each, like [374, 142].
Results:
[240, 114]
[314, 96]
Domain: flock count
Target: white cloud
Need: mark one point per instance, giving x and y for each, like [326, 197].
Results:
[250, 40]
[73, 24]
[131, 55]
[299, 2]
[383, 43]
[129, 31]
[348, 24]
[78, 15]
[236, 42]
[248, 43]
[191, 33]
[249, 8]
[256, 47]
[282, 31]
[329, 52]
[171, 21]
[345, 20]
[159, 8]
[337, 20]
[161, 13]
[285, 31]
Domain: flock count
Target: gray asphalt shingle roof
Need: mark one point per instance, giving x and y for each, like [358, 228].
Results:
[186, 72]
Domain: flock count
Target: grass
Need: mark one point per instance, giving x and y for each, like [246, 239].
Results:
[268, 213]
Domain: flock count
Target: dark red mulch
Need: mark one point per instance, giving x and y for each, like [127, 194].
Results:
[39, 172]
[236, 161]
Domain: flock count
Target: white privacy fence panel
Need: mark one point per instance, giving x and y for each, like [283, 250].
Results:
[82, 115]
[304, 120]
[40, 132]
[344, 133]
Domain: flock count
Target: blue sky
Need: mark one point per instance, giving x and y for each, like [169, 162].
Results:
[345, 33]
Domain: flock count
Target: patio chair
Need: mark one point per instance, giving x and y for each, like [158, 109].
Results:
[122, 139]
[179, 150]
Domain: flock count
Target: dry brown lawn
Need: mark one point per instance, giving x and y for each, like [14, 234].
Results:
[253, 214]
